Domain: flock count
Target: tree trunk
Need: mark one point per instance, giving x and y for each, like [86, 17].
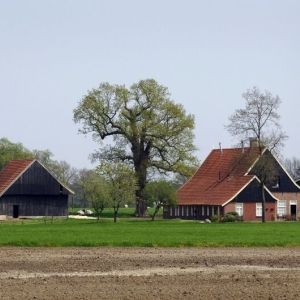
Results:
[141, 152]
[155, 212]
[263, 204]
[115, 214]
[141, 206]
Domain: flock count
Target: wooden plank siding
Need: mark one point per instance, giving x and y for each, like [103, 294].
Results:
[45, 205]
[36, 181]
[36, 193]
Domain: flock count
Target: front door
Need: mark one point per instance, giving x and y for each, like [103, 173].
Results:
[15, 211]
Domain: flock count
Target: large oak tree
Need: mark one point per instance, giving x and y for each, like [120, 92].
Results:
[143, 127]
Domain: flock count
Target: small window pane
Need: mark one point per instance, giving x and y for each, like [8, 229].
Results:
[259, 209]
[239, 209]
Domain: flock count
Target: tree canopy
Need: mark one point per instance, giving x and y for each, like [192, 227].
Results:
[160, 193]
[258, 119]
[143, 127]
[10, 151]
[120, 184]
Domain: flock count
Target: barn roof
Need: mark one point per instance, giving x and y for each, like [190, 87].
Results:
[14, 170]
[221, 177]
[11, 172]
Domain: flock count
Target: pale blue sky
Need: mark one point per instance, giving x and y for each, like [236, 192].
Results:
[206, 52]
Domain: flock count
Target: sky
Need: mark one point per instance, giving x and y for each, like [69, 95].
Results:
[206, 52]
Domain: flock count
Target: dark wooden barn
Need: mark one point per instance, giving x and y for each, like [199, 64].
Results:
[28, 189]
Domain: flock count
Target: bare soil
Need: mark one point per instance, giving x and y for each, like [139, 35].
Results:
[149, 273]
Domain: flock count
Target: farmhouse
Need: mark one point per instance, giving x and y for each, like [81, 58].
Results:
[28, 189]
[227, 181]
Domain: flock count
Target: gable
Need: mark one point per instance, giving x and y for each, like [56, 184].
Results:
[282, 182]
[253, 193]
[36, 180]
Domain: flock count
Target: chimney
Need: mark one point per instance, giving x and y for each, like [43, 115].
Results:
[243, 146]
[220, 145]
[253, 142]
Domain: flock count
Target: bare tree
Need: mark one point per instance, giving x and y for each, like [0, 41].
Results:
[259, 119]
[293, 167]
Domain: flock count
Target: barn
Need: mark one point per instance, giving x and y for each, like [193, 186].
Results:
[227, 181]
[28, 189]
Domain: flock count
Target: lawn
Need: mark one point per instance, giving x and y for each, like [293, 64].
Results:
[172, 233]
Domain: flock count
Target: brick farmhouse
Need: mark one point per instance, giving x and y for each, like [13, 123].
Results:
[227, 181]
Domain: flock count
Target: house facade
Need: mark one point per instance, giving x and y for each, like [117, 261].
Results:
[28, 189]
[228, 180]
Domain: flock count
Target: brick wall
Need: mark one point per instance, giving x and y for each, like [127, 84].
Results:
[250, 211]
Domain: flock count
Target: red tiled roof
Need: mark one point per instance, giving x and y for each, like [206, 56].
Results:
[11, 172]
[221, 176]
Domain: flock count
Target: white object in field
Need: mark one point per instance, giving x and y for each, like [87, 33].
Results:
[82, 217]
[207, 221]
[3, 217]
[126, 205]
[81, 213]
[88, 212]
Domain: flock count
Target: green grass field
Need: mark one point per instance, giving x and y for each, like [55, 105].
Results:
[173, 233]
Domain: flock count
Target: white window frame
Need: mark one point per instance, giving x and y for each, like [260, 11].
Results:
[281, 208]
[258, 209]
[239, 208]
[293, 202]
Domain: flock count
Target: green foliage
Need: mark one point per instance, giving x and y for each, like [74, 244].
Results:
[10, 151]
[76, 233]
[158, 194]
[149, 130]
[231, 217]
[215, 218]
[121, 184]
[96, 191]
[62, 170]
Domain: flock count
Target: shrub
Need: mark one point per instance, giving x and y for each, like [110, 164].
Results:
[215, 218]
[231, 217]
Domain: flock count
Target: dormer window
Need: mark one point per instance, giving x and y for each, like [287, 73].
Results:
[277, 183]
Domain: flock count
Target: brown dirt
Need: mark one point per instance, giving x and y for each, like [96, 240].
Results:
[149, 273]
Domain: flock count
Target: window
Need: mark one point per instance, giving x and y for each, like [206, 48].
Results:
[281, 208]
[239, 209]
[259, 209]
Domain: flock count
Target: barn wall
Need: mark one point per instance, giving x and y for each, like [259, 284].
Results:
[35, 205]
[36, 181]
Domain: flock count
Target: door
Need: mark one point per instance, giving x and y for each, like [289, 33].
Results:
[293, 211]
[15, 211]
